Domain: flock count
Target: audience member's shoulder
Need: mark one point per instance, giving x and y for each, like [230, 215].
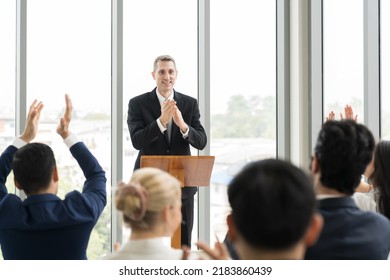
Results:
[10, 199]
[378, 218]
[73, 196]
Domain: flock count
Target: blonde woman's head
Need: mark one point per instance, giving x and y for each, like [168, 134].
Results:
[144, 200]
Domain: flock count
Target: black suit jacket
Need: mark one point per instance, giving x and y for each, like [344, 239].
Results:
[143, 112]
[45, 227]
[350, 233]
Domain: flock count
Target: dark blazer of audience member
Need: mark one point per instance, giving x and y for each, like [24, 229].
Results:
[342, 152]
[43, 226]
[273, 212]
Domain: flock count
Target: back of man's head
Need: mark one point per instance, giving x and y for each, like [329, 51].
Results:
[343, 151]
[33, 166]
[272, 204]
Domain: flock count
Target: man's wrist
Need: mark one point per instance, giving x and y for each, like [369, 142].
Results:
[26, 137]
[71, 140]
[184, 129]
[164, 122]
[161, 126]
[65, 135]
[185, 132]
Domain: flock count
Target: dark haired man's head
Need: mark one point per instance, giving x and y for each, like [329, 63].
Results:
[342, 153]
[34, 166]
[273, 204]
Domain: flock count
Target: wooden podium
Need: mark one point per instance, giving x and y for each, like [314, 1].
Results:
[189, 170]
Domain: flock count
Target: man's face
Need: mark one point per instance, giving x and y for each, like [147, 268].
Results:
[165, 76]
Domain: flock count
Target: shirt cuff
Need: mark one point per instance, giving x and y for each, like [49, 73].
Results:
[185, 135]
[18, 143]
[162, 128]
[71, 140]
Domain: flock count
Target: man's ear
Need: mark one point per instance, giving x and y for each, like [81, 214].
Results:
[55, 174]
[231, 228]
[314, 230]
[17, 185]
[315, 166]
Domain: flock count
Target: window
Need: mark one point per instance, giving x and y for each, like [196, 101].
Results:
[164, 31]
[343, 56]
[7, 72]
[243, 94]
[385, 64]
[68, 54]
[7, 78]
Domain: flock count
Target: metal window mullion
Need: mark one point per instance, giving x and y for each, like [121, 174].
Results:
[116, 113]
[283, 79]
[204, 107]
[372, 108]
[299, 82]
[316, 70]
[21, 70]
[21, 65]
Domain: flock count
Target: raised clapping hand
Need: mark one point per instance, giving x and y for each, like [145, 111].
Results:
[348, 114]
[179, 121]
[31, 129]
[330, 116]
[167, 111]
[63, 126]
[219, 252]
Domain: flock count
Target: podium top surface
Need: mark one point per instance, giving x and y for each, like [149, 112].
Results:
[197, 169]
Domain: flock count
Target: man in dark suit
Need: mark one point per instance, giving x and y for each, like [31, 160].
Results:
[166, 122]
[43, 226]
[273, 216]
[343, 150]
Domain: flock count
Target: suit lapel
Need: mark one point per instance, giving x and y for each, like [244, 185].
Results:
[154, 104]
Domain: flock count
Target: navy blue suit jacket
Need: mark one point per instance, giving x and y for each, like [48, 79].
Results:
[45, 227]
[350, 233]
[143, 112]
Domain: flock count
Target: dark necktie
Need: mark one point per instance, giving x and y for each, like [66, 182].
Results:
[169, 130]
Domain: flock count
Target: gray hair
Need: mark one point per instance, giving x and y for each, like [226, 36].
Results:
[163, 58]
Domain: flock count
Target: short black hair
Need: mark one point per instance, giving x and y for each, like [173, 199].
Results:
[344, 149]
[33, 166]
[272, 204]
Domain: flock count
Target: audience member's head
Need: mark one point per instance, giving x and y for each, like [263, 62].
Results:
[380, 176]
[34, 168]
[150, 203]
[343, 151]
[273, 211]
